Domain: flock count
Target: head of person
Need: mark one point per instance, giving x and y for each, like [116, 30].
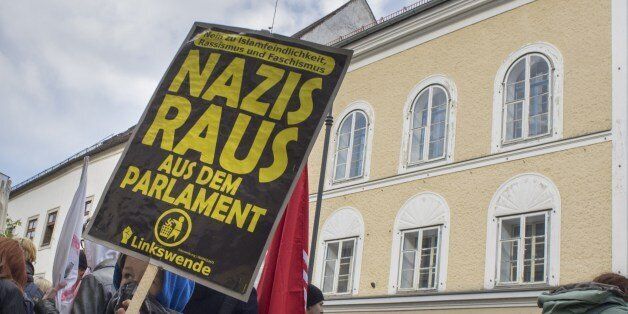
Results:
[82, 266]
[170, 290]
[29, 249]
[12, 262]
[43, 284]
[314, 300]
[613, 279]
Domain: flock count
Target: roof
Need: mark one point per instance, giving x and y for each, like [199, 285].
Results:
[103, 145]
[386, 21]
[318, 22]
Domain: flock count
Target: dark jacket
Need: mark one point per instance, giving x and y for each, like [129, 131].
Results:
[11, 299]
[587, 297]
[207, 301]
[31, 289]
[96, 289]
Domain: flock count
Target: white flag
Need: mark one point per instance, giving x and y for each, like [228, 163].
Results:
[65, 267]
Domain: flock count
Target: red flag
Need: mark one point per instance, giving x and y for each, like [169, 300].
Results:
[283, 285]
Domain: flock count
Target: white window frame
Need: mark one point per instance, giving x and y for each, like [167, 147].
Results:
[555, 123]
[91, 210]
[344, 223]
[424, 210]
[337, 266]
[450, 89]
[521, 249]
[332, 183]
[528, 193]
[353, 114]
[28, 220]
[417, 258]
[54, 228]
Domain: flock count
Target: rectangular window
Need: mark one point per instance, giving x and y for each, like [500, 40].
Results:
[50, 227]
[523, 249]
[338, 266]
[30, 228]
[419, 259]
[88, 205]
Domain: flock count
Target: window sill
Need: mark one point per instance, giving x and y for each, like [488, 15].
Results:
[522, 287]
[417, 292]
[532, 141]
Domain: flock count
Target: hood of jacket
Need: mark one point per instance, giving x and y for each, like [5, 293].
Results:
[96, 254]
[175, 292]
[582, 298]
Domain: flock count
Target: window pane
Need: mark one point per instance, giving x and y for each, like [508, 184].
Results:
[343, 140]
[410, 241]
[347, 248]
[346, 124]
[416, 147]
[439, 97]
[508, 263]
[538, 66]
[437, 149]
[510, 228]
[534, 256]
[343, 284]
[539, 85]
[355, 169]
[360, 120]
[328, 279]
[332, 251]
[515, 84]
[421, 104]
[514, 115]
[407, 278]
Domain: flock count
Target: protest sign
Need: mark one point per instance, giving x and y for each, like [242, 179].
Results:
[209, 169]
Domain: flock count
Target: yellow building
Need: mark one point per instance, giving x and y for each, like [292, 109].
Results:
[475, 159]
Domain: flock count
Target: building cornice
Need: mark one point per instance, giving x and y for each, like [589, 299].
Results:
[527, 152]
[428, 24]
[435, 301]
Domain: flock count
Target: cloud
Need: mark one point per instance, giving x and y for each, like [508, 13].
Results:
[73, 72]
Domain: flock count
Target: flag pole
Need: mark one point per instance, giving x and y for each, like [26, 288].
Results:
[329, 120]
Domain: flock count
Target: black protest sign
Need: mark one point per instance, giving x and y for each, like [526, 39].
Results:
[209, 169]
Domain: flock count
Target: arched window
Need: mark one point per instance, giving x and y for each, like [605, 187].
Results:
[339, 253]
[527, 105]
[527, 99]
[523, 233]
[420, 245]
[429, 125]
[350, 150]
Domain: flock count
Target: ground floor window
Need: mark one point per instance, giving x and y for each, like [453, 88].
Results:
[523, 249]
[419, 259]
[338, 266]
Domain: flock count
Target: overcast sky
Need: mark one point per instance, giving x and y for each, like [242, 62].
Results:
[74, 72]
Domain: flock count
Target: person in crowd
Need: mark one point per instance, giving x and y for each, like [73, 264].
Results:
[13, 278]
[605, 294]
[96, 288]
[30, 255]
[206, 301]
[82, 266]
[314, 300]
[169, 293]
[43, 284]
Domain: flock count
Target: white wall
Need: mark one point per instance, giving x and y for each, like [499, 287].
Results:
[355, 15]
[58, 192]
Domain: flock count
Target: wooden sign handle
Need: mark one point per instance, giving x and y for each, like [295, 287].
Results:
[142, 289]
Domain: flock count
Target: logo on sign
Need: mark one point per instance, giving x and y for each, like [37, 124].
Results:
[173, 227]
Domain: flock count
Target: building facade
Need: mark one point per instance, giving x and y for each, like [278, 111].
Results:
[475, 158]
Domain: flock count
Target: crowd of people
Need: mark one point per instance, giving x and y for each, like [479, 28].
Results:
[109, 279]
[107, 283]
